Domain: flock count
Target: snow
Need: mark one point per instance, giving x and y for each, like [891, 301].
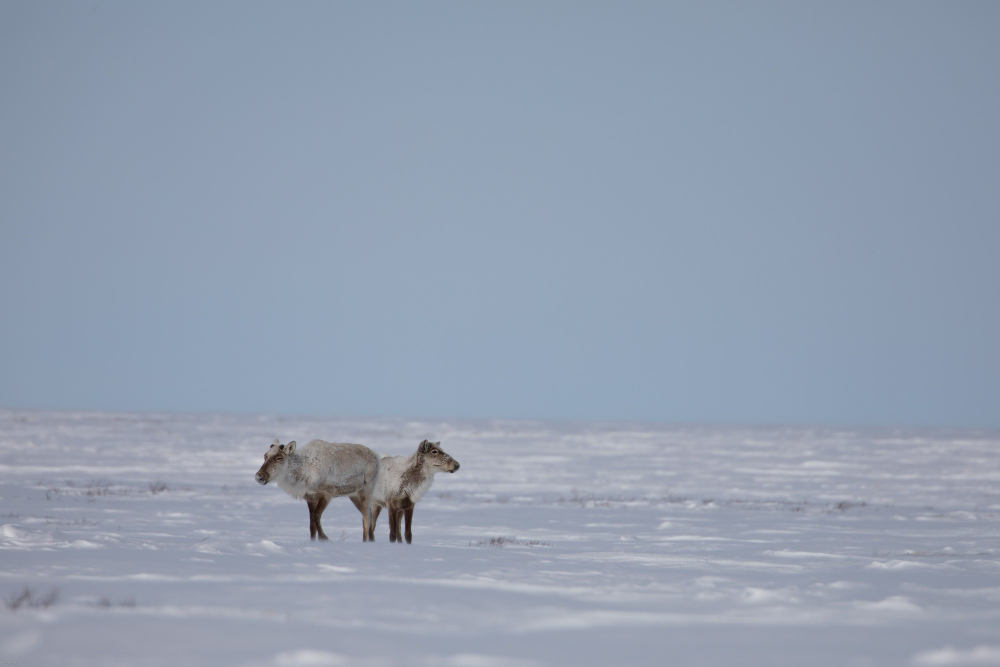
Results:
[142, 539]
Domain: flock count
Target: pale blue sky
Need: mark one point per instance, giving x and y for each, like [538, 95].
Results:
[711, 212]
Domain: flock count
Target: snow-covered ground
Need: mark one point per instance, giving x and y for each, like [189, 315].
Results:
[142, 539]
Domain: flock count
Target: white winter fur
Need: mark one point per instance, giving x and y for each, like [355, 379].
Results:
[323, 470]
[403, 481]
[390, 486]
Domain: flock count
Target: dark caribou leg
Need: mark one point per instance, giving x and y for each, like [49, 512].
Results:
[366, 522]
[409, 520]
[321, 504]
[392, 524]
[376, 510]
[359, 503]
[371, 523]
[399, 525]
[311, 504]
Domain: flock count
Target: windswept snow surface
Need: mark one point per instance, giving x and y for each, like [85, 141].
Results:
[142, 539]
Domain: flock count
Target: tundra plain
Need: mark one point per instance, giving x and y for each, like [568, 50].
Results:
[143, 539]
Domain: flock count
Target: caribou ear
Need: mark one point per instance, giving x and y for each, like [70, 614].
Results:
[276, 442]
[425, 447]
[290, 447]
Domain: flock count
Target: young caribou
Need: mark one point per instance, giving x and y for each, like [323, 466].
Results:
[320, 471]
[403, 480]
